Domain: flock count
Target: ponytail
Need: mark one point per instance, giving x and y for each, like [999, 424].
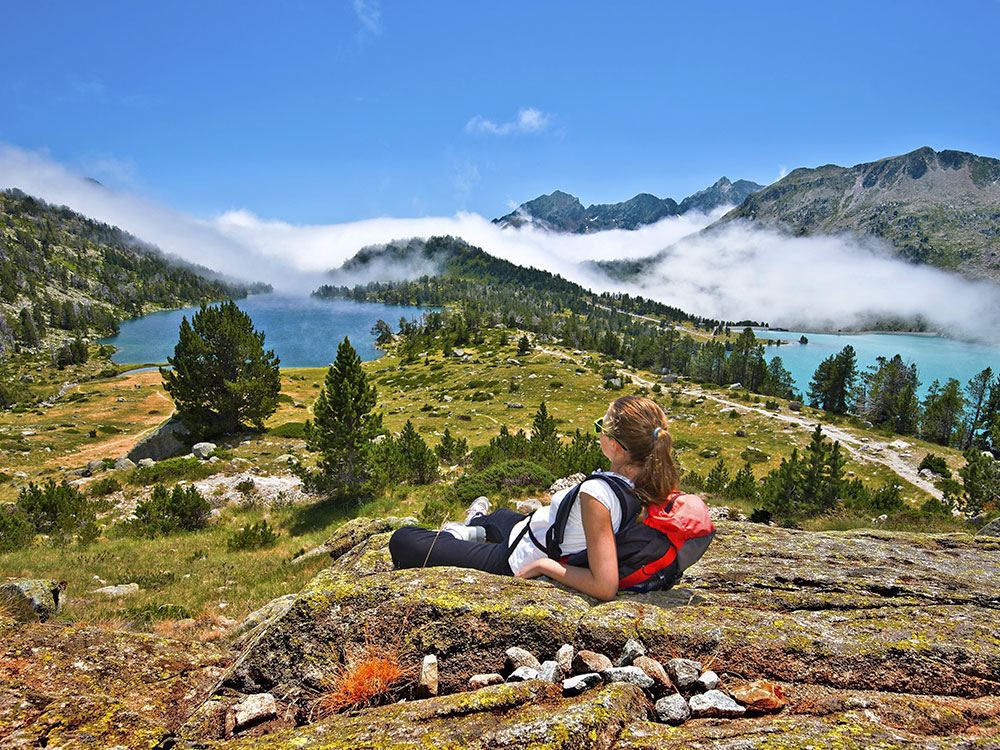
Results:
[641, 426]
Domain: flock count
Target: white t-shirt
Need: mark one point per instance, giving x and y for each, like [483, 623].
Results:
[575, 539]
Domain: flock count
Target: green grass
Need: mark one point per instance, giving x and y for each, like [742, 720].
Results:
[193, 573]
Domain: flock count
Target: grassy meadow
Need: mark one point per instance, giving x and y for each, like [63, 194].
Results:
[192, 585]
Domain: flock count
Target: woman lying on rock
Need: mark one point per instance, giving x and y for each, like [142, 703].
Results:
[626, 528]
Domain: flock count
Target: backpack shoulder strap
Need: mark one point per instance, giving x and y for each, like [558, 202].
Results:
[557, 531]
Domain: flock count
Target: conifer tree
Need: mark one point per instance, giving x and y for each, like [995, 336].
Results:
[419, 463]
[343, 425]
[222, 379]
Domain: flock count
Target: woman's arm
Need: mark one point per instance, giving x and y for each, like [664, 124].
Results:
[600, 579]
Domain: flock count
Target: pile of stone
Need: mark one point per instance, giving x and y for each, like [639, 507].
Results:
[681, 688]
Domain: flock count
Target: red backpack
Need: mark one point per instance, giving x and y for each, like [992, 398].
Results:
[652, 553]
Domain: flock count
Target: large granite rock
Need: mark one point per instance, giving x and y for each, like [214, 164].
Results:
[168, 440]
[30, 599]
[861, 610]
[87, 687]
[515, 716]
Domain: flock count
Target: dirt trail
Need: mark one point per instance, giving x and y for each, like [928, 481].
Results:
[886, 454]
[870, 452]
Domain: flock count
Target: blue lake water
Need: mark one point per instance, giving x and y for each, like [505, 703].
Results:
[935, 357]
[302, 331]
[305, 332]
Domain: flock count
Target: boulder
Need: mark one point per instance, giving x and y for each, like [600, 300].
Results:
[124, 463]
[116, 592]
[145, 463]
[990, 529]
[590, 661]
[512, 716]
[518, 657]
[30, 599]
[842, 610]
[246, 630]
[166, 441]
[438, 610]
[203, 450]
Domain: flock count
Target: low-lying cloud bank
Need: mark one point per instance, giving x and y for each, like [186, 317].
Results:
[738, 272]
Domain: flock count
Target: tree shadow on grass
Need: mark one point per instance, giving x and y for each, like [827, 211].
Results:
[318, 515]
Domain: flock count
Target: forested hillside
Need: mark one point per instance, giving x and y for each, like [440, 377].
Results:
[60, 271]
[483, 292]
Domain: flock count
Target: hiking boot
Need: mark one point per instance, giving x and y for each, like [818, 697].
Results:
[461, 531]
[480, 507]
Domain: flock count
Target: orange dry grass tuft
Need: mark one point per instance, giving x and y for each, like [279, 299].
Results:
[363, 680]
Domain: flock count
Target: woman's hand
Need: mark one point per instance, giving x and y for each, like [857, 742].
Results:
[544, 567]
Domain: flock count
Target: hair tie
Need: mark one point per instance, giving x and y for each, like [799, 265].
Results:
[656, 432]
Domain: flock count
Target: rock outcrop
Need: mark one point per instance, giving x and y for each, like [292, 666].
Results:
[848, 639]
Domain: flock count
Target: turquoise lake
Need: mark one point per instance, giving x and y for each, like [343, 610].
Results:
[305, 332]
[302, 331]
[935, 357]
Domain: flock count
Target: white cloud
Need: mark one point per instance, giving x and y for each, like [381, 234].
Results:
[782, 171]
[528, 120]
[369, 15]
[740, 271]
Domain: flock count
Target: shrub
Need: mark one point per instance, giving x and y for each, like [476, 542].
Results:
[59, 510]
[172, 470]
[771, 404]
[936, 464]
[743, 486]
[438, 510]
[289, 430]
[451, 449]
[253, 536]
[760, 515]
[717, 478]
[693, 481]
[104, 487]
[754, 456]
[502, 477]
[935, 507]
[164, 512]
[16, 529]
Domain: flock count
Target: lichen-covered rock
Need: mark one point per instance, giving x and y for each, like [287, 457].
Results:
[160, 680]
[351, 533]
[436, 610]
[245, 631]
[499, 717]
[580, 683]
[30, 599]
[630, 674]
[74, 722]
[871, 610]
[254, 709]
[631, 651]
[371, 556]
[655, 671]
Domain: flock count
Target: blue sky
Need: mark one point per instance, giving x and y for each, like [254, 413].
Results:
[325, 112]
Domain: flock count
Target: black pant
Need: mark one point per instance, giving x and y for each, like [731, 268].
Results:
[413, 547]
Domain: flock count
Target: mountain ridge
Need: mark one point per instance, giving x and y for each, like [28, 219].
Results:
[562, 212]
[940, 208]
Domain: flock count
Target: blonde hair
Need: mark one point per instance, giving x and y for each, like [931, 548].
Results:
[640, 425]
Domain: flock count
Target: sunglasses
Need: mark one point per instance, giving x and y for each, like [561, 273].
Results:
[599, 428]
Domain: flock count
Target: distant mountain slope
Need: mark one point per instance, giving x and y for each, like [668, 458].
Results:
[562, 212]
[74, 273]
[940, 208]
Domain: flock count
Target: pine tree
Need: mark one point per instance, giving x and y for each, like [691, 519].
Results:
[977, 390]
[833, 380]
[943, 410]
[743, 486]
[981, 479]
[717, 478]
[343, 425]
[222, 379]
[418, 462]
